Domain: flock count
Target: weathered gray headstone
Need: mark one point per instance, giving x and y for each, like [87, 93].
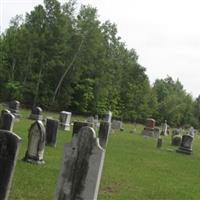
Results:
[191, 132]
[164, 129]
[36, 113]
[156, 132]
[64, 120]
[14, 108]
[81, 167]
[9, 147]
[36, 143]
[108, 117]
[116, 124]
[7, 121]
[78, 125]
[4, 111]
[149, 128]
[175, 132]
[104, 131]
[186, 145]
[51, 131]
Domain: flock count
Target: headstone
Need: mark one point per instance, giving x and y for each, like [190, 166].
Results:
[186, 144]
[81, 167]
[78, 125]
[36, 143]
[4, 111]
[191, 132]
[14, 108]
[64, 120]
[159, 142]
[36, 113]
[149, 128]
[51, 131]
[156, 132]
[175, 132]
[116, 124]
[108, 117]
[176, 140]
[9, 147]
[165, 131]
[7, 121]
[104, 131]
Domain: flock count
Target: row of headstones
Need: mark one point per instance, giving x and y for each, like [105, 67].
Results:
[184, 142]
[86, 169]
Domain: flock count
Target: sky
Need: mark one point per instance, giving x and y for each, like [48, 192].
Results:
[164, 33]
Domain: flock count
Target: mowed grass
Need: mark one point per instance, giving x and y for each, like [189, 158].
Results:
[134, 168]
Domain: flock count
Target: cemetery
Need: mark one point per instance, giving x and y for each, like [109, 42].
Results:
[123, 165]
[81, 118]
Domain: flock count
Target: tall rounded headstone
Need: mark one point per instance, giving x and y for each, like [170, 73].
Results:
[36, 143]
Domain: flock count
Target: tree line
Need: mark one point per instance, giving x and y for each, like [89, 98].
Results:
[60, 57]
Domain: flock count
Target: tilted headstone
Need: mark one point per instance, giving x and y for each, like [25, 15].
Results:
[51, 131]
[64, 120]
[78, 125]
[36, 143]
[156, 132]
[14, 108]
[81, 167]
[104, 131]
[9, 147]
[108, 117]
[164, 129]
[36, 113]
[149, 128]
[186, 145]
[7, 121]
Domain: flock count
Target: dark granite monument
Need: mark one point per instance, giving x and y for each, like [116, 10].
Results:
[7, 121]
[51, 131]
[186, 145]
[9, 147]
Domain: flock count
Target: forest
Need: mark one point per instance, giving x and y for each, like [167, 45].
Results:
[63, 58]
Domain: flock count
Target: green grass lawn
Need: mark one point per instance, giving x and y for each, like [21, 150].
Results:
[134, 168]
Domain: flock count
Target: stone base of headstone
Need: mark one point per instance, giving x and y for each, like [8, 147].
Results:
[176, 140]
[33, 160]
[184, 150]
[35, 117]
[148, 132]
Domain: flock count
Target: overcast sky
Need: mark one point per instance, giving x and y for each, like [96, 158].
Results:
[164, 33]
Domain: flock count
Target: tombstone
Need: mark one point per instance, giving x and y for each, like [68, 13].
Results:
[108, 117]
[156, 132]
[7, 121]
[104, 131]
[4, 111]
[36, 113]
[159, 142]
[176, 140]
[149, 128]
[116, 124]
[78, 125]
[186, 145]
[175, 132]
[14, 108]
[64, 120]
[191, 131]
[165, 131]
[51, 131]
[9, 147]
[81, 167]
[36, 143]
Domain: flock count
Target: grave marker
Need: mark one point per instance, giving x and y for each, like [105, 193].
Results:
[7, 121]
[9, 147]
[36, 113]
[81, 167]
[64, 120]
